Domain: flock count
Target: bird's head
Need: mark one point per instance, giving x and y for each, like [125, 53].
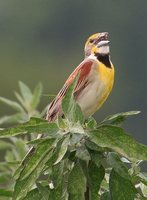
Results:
[97, 43]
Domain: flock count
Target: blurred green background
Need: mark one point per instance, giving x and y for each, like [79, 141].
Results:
[43, 40]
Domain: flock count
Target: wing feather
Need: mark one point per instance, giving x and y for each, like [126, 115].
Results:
[83, 69]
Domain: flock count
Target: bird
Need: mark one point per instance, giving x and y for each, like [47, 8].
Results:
[95, 82]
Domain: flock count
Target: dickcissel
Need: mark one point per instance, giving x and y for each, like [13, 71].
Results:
[96, 77]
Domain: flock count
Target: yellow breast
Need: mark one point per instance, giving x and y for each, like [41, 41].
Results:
[100, 82]
[106, 78]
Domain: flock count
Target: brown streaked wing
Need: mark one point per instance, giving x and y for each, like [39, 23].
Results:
[83, 69]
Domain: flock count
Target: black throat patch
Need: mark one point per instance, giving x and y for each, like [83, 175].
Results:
[104, 59]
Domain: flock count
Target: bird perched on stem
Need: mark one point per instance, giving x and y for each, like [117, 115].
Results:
[96, 77]
[95, 82]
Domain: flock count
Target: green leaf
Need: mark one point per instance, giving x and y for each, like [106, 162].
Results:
[97, 157]
[71, 109]
[91, 123]
[84, 165]
[20, 148]
[43, 191]
[96, 175]
[12, 104]
[142, 177]
[120, 188]
[63, 149]
[5, 145]
[119, 117]
[57, 174]
[92, 146]
[76, 183]
[5, 165]
[116, 139]
[4, 176]
[75, 140]
[13, 119]
[20, 99]
[77, 114]
[62, 123]
[36, 120]
[37, 95]
[40, 152]
[83, 153]
[43, 112]
[25, 92]
[35, 125]
[118, 166]
[9, 157]
[144, 191]
[5, 193]
[22, 186]
[28, 158]
[33, 195]
[37, 140]
[105, 196]
[53, 157]
[57, 178]
[135, 168]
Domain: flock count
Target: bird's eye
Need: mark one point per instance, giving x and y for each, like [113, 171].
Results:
[91, 40]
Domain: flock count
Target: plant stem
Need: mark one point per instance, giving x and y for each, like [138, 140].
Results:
[87, 193]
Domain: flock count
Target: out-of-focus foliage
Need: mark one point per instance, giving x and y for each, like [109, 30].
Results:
[76, 159]
[14, 149]
[26, 105]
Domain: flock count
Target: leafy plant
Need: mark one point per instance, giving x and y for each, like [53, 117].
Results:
[77, 159]
[26, 105]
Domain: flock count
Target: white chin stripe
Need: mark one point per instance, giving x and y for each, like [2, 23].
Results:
[103, 43]
[104, 50]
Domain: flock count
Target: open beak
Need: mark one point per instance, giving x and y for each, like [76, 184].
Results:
[103, 43]
[103, 40]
